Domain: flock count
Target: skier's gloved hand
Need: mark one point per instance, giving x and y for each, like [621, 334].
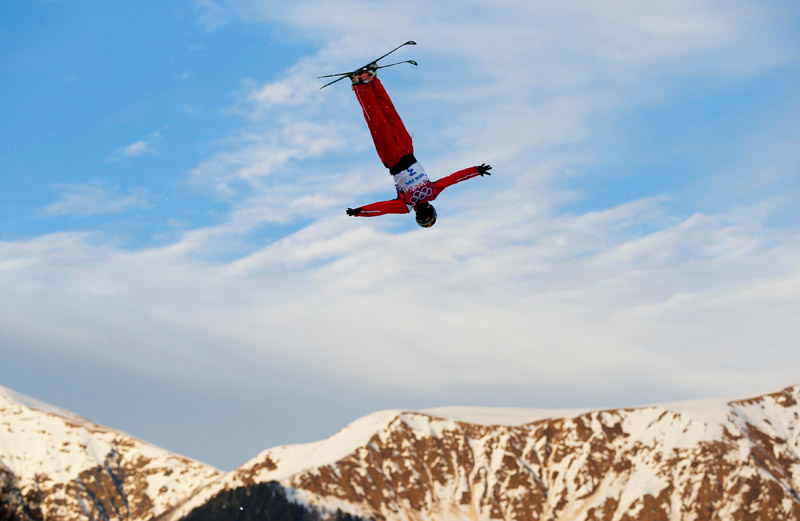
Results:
[483, 169]
[352, 212]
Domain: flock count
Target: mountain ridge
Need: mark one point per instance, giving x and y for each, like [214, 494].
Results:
[690, 460]
[684, 460]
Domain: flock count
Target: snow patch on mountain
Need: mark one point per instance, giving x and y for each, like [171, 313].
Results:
[507, 416]
[39, 439]
[712, 411]
[290, 459]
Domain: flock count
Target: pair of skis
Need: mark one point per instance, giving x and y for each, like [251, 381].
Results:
[342, 75]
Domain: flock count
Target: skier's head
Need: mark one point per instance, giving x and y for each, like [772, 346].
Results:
[426, 214]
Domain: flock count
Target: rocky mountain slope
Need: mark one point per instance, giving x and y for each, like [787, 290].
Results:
[704, 460]
[707, 460]
[55, 465]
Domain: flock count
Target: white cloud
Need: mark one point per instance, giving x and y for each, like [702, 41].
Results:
[268, 160]
[144, 147]
[211, 15]
[137, 149]
[604, 33]
[463, 305]
[88, 200]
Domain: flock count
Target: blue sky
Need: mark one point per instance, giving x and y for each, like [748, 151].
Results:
[176, 262]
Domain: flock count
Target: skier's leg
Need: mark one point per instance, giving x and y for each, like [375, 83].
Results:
[391, 139]
[401, 135]
[379, 127]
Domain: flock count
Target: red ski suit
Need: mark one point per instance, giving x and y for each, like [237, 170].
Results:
[394, 147]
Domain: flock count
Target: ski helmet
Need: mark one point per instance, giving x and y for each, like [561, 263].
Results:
[426, 214]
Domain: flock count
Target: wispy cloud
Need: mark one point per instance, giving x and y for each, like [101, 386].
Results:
[578, 298]
[144, 147]
[137, 149]
[270, 156]
[89, 200]
[211, 14]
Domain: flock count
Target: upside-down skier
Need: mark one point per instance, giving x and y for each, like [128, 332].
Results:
[396, 151]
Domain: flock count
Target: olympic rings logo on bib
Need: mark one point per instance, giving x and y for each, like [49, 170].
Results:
[423, 194]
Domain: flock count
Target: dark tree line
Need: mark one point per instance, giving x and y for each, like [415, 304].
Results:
[15, 506]
[261, 502]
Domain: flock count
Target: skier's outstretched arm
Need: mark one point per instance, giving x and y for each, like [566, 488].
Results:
[462, 175]
[379, 208]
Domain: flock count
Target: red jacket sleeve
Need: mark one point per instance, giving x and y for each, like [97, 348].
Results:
[383, 207]
[461, 175]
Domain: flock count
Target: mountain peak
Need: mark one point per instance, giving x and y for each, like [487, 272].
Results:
[80, 469]
[10, 398]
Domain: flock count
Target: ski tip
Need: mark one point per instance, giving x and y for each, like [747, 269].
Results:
[412, 62]
[410, 42]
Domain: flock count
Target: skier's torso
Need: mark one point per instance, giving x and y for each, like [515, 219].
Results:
[413, 186]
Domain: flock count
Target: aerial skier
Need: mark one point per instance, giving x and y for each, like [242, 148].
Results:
[395, 149]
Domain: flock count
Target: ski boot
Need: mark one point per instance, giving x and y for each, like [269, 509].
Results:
[364, 75]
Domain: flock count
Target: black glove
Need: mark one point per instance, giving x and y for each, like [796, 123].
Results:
[483, 169]
[352, 212]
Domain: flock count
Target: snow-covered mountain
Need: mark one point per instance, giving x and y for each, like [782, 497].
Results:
[702, 460]
[55, 465]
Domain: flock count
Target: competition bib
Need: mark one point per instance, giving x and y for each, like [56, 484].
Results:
[413, 185]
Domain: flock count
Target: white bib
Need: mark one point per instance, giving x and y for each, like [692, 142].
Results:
[410, 180]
